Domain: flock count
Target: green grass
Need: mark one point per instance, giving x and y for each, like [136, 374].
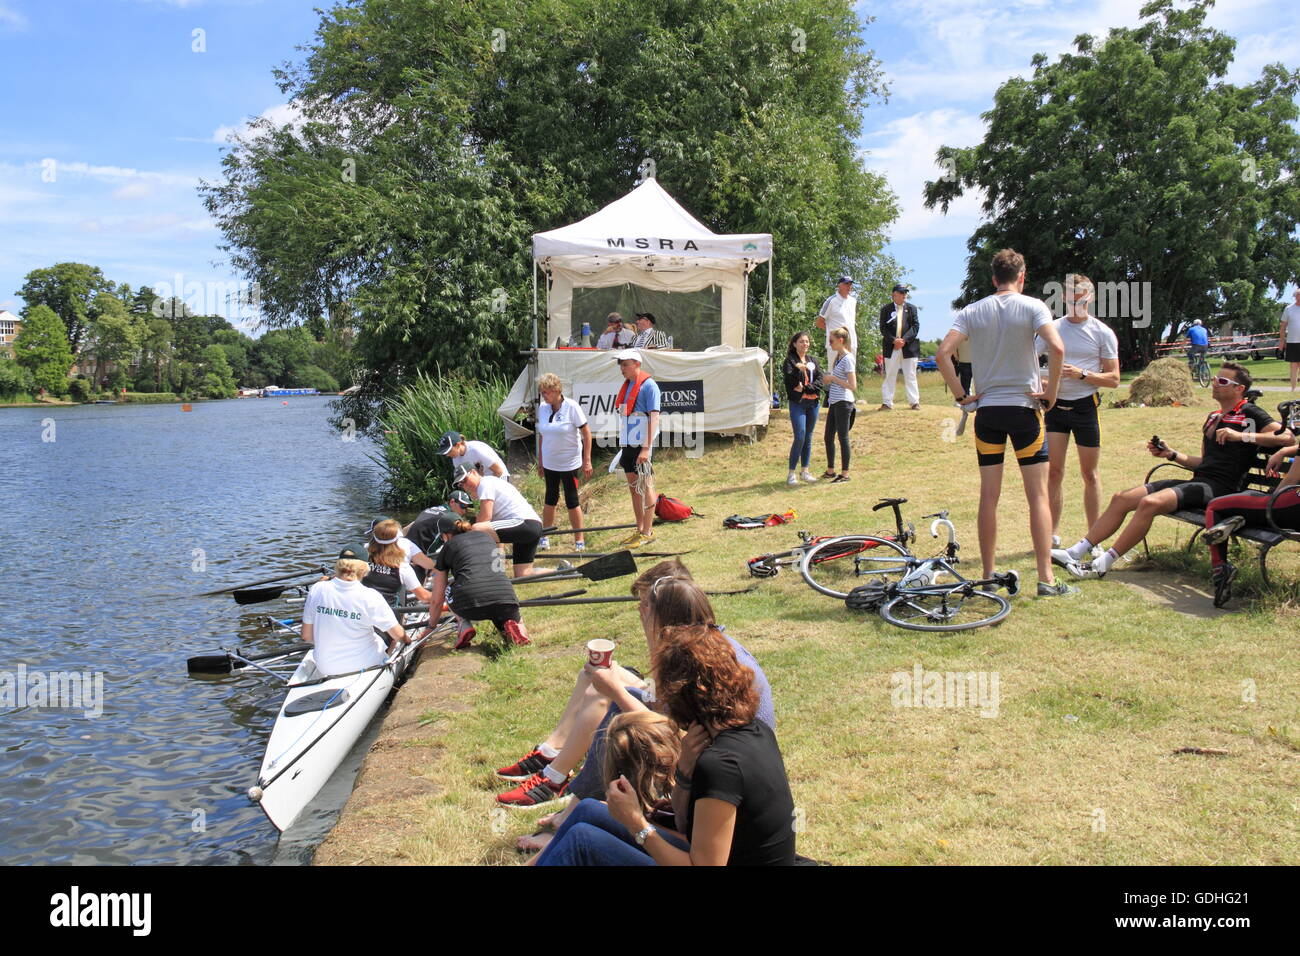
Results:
[1098, 691]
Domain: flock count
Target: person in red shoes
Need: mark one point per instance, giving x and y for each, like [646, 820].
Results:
[480, 590]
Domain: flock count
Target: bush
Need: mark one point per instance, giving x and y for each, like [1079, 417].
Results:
[79, 390]
[15, 380]
[313, 376]
[1165, 381]
[146, 397]
[413, 421]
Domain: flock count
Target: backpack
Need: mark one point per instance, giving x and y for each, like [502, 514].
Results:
[673, 509]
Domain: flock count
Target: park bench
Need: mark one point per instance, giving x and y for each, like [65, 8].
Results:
[1255, 479]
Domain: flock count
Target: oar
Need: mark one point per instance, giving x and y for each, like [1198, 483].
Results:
[606, 566]
[555, 555]
[563, 599]
[549, 597]
[605, 527]
[253, 584]
[258, 595]
[224, 663]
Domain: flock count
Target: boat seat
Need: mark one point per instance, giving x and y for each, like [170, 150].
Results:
[320, 700]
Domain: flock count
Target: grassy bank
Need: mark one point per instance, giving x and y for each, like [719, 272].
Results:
[1098, 690]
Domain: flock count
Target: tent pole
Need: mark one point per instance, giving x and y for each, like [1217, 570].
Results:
[771, 333]
[534, 305]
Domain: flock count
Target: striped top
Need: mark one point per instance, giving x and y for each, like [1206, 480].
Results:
[651, 338]
[843, 366]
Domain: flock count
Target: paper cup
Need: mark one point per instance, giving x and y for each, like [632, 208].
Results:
[600, 652]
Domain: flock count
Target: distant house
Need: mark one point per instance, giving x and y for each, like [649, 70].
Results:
[10, 326]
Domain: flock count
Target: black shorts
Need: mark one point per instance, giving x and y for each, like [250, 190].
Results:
[1292, 352]
[1079, 418]
[498, 614]
[522, 534]
[1023, 426]
[627, 459]
[555, 480]
[1190, 494]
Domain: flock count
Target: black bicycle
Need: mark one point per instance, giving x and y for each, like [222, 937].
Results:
[770, 565]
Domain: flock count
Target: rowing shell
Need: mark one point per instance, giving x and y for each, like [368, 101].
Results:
[319, 722]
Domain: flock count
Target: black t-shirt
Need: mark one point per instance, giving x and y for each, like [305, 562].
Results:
[1223, 465]
[477, 571]
[387, 581]
[743, 767]
[424, 531]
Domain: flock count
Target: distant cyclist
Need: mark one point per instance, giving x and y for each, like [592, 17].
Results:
[1198, 342]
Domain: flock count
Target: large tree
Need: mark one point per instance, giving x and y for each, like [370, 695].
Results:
[1131, 160]
[42, 348]
[438, 136]
[114, 336]
[72, 290]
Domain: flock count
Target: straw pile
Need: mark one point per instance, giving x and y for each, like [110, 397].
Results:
[1165, 381]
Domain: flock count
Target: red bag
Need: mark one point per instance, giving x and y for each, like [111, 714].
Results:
[673, 509]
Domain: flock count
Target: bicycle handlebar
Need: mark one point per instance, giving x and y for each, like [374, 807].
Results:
[945, 523]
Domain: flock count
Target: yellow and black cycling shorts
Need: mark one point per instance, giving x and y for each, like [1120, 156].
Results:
[995, 425]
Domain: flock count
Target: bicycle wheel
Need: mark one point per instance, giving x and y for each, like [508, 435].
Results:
[838, 565]
[939, 609]
[1202, 373]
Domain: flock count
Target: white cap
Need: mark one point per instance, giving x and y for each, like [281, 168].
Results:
[624, 355]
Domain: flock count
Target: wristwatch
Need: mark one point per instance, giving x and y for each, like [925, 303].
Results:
[643, 834]
[1083, 376]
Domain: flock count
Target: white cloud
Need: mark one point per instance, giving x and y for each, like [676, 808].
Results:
[281, 115]
[904, 149]
[10, 18]
[136, 190]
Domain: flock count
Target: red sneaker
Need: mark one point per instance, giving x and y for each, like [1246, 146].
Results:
[534, 763]
[464, 635]
[516, 632]
[536, 791]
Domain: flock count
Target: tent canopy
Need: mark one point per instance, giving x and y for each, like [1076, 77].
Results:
[647, 239]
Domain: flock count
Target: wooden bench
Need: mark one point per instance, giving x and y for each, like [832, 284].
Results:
[1255, 479]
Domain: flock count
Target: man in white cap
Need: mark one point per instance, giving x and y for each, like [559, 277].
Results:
[637, 404]
[840, 311]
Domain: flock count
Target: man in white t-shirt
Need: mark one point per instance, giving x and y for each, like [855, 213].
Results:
[340, 617]
[1091, 363]
[839, 311]
[1001, 329]
[471, 454]
[504, 514]
[1289, 338]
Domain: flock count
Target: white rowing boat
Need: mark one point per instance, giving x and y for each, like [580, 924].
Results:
[320, 720]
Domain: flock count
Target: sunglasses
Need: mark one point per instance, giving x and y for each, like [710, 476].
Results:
[1220, 380]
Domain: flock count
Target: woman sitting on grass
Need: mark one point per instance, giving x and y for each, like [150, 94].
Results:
[730, 787]
[480, 590]
[667, 597]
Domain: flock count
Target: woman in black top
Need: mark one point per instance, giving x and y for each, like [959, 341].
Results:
[480, 590]
[803, 381]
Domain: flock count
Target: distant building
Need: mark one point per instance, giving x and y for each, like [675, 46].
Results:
[10, 326]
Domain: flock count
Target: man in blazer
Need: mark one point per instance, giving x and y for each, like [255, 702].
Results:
[900, 329]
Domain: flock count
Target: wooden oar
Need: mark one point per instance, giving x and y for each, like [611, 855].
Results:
[604, 567]
[253, 584]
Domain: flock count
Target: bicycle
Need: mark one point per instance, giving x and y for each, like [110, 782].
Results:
[906, 591]
[769, 565]
[1199, 366]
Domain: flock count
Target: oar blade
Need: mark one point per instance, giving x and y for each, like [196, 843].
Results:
[209, 664]
[257, 595]
[610, 566]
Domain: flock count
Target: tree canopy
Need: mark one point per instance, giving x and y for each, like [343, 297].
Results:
[42, 349]
[1132, 161]
[436, 137]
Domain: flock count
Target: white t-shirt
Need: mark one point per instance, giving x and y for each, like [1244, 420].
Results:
[1086, 344]
[843, 366]
[841, 312]
[480, 456]
[560, 435]
[507, 503]
[1291, 314]
[343, 616]
[409, 546]
[1004, 361]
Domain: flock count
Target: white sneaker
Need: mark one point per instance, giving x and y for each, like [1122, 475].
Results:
[808, 476]
[1056, 541]
[579, 546]
[543, 544]
[792, 480]
[1061, 557]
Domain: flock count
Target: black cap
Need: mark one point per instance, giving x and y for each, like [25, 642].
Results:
[460, 475]
[350, 554]
[460, 498]
[448, 441]
[900, 288]
[447, 522]
[648, 316]
[844, 279]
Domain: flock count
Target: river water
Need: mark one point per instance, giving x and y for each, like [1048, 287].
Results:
[116, 517]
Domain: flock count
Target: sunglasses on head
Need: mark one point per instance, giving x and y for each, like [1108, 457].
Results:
[1220, 380]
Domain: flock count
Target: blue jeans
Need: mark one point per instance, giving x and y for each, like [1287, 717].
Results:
[590, 781]
[803, 419]
[589, 836]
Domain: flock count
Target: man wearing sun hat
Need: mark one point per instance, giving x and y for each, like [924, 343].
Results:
[840, 311]
[637, 405]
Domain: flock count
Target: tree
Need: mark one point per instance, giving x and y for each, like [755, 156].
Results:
[441, 135]
[217, 381]
[14, 379]
[155, 348]
[42, 349]
[72, 290]
[1133, 162]
[114, 336]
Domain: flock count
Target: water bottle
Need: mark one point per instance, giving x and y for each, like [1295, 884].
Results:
[586, 335]
[670, 341]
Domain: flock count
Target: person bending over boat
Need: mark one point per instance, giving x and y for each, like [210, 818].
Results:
[730, 793]
[480, 590]
[423, 531]
[390, 572]
[504, 514]
[420, 562]
[340, 618]
[478, 455]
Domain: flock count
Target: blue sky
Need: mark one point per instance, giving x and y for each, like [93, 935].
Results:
[131, 115]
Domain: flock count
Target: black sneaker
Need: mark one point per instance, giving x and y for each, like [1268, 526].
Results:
[1224, 530]
[1222, 577]
[1059, 589]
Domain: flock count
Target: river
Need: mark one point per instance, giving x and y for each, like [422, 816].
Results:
[117, 516]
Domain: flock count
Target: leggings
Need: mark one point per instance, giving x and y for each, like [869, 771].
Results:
[839, 419]
[803, 419]
[1251, 505]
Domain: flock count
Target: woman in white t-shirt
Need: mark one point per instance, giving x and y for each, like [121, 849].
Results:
[840, 381]
[340, 618]
[478, 455]
[563, 449]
